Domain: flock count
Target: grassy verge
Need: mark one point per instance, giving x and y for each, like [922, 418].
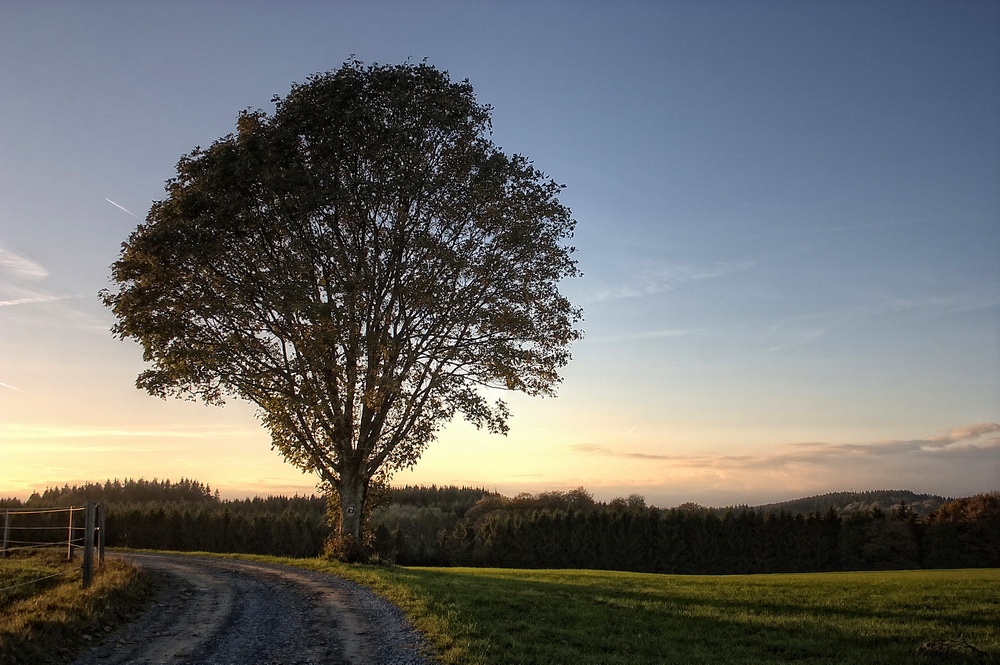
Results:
[51, 620]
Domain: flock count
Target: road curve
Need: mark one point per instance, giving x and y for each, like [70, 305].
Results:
[229, 612]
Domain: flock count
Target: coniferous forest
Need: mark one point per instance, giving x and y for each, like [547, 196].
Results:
[451, 526]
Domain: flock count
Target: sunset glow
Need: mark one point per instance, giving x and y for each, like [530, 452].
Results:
[788, 222]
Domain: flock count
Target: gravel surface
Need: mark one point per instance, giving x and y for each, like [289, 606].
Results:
[227, 612]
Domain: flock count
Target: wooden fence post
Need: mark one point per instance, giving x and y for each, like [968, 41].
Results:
[6, 532]
[88, 546]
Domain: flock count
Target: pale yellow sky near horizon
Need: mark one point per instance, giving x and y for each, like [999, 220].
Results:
[227, 449]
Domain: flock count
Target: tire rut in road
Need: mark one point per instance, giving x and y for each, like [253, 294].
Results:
[220, 611]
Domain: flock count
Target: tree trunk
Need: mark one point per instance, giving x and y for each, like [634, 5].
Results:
[352, 491]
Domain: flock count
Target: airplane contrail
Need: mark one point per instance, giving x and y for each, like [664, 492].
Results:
[7, 385]
[121, 207]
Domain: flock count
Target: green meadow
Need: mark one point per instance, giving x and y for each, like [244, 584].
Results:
[585, 617]
[482, 616]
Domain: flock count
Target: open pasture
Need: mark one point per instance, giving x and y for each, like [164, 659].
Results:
[578, 617]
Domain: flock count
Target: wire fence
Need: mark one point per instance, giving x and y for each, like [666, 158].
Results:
[37, 579]
[28, 530]
[56, 528]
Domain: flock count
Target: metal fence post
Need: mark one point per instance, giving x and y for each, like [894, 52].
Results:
[69, 537]
[6, 532]
[88, 546]
[101, 534]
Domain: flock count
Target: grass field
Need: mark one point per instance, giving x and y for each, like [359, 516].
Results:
[551, 617]
[580, 617]
[51, 619]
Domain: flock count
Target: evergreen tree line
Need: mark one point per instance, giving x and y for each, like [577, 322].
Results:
[474, 527]
[571, 530]
[745, 541]
[116, 492]
[188, 516]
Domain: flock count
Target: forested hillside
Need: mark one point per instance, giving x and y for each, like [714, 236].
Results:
[846, 503]
[474, 527]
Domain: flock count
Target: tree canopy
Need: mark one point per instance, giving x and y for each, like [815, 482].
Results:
[363, 265]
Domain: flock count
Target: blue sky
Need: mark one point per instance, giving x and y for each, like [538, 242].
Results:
[788, 223]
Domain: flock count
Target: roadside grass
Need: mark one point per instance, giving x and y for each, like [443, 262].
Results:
[51, 620]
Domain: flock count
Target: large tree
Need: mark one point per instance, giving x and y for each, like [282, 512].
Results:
[363, 265]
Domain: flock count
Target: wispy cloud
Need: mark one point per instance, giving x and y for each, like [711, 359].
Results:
[32, 299]
[19, 279]
[59, 450]
[964, 461]
[801, 329]
[783, 337]
[54, 442]
[979, 441]
[659, 278]
[592, 449]
[660, 333]
[806, 230]
[19, 267]
[12, 431]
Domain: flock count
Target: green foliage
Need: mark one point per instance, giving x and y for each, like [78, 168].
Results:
[359, 265]
[451, 499]
[965, 532]
[846, 503]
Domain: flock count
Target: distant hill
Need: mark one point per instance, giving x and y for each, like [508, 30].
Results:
[846, 503]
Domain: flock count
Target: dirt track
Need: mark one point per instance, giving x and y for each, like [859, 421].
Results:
[221, 611]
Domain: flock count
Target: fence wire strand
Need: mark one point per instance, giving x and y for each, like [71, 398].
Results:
[74, 509]
[39, 579]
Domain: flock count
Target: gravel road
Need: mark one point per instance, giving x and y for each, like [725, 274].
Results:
[226, 612]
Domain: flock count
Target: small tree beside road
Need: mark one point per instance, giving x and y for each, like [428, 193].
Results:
[363, 265]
